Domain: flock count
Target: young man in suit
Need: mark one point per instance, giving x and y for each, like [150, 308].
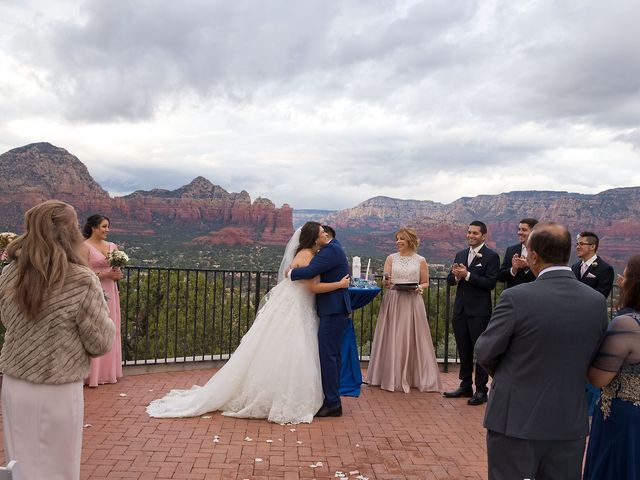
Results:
[538, 346]
[592, 270]
[475, 272]
[514, 269]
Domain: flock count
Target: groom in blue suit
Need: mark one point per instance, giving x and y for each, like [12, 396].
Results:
[333, 309]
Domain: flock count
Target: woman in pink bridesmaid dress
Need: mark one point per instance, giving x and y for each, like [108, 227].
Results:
[107, 368]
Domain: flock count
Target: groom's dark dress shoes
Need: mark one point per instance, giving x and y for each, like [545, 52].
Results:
[459, 392]
[330, 412]
[478, 398]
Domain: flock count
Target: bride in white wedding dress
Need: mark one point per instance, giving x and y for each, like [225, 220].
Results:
[275, 371]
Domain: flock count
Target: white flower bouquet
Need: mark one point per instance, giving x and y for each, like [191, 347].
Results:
[117, 258]
[5, 239]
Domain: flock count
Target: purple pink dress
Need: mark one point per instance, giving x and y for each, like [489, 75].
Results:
[402, 354]
[107, 368]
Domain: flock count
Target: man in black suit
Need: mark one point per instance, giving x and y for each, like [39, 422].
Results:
[592, 270]
[514, 269]
[474, 271]
[538, 346]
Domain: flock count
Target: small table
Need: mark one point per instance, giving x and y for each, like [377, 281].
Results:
[350, 373]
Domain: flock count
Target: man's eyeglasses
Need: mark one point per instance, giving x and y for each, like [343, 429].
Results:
[582, 244]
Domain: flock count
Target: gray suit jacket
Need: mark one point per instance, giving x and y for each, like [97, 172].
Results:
[538, 346]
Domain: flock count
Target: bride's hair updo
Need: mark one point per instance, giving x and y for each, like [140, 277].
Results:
[308, 235]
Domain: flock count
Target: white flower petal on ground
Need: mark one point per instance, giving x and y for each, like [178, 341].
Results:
[123, 394]
[258, 460]
[247, 439]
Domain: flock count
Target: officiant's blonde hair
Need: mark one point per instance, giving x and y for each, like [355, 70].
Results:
[409, 235]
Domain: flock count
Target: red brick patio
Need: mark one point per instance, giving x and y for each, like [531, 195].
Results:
[381, 435]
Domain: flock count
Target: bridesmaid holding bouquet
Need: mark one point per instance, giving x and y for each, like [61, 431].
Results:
[105, 260]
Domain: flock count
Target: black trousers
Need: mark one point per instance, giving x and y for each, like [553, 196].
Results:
[515, 458]
[467, 329]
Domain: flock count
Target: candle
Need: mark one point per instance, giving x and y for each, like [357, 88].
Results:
[355, 267]
[366, 277]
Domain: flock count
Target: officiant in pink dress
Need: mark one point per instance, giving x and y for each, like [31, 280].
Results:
[107, 368]
[402, 354]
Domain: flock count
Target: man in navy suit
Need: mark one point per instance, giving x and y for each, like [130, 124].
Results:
[592, 270]
[515, 269]
[475, 272]
[333, 309]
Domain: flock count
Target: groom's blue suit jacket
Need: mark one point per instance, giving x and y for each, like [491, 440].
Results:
[332, 265]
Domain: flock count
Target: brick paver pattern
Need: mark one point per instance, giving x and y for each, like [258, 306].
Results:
[381, 435]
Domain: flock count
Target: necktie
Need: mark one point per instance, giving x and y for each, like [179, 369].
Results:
[583, 269]
[523, 254]
[470, 257]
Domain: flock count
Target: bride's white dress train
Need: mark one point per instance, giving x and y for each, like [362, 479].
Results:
[274, 373]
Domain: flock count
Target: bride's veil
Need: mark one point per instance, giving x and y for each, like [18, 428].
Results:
[289, 253]
[287, 258]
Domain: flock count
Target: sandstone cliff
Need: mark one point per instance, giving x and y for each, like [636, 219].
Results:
[41, 171]
[613, 214]
[207, 214]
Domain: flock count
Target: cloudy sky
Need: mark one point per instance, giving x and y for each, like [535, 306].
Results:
[323, 104]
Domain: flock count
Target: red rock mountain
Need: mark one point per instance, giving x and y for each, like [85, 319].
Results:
[41, 171]
[613, 214]
[208, 214]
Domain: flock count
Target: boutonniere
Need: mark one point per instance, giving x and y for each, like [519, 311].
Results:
[479, 255]
[594, 264]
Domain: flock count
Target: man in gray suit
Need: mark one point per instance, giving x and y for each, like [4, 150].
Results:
[537, 347]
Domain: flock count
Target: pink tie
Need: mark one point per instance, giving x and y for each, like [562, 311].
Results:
[471, 256]
[583, 269]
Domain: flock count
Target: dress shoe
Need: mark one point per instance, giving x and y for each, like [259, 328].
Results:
[330, 412]
[478, 398]
[459, 392]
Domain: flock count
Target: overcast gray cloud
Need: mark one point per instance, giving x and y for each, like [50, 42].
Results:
[325, 104]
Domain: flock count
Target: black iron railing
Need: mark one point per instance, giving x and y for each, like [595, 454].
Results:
[173, 315]
[185, 315]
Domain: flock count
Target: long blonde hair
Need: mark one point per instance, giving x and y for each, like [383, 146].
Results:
[43, 254]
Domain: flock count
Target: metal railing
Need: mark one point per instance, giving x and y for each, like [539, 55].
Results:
[186, 315]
